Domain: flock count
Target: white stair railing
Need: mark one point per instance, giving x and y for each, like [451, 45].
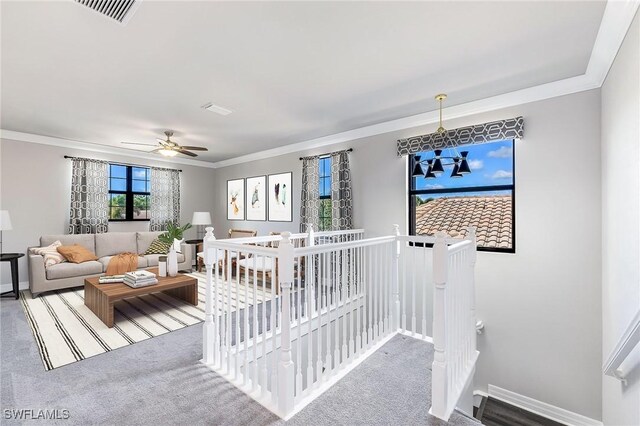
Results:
[304, 309]
[626, 344]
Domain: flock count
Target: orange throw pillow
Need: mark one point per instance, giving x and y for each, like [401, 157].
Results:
[76, 253]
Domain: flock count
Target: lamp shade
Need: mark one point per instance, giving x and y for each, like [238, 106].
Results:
[201, 218]
[5, 220]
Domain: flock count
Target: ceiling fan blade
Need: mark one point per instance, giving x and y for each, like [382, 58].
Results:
[136, 143]
[190, 154]
[162, 141]
[195, 148]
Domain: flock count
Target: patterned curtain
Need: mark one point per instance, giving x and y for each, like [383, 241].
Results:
[89, 196]
[341, 198]
[165, 198]
[310, 205]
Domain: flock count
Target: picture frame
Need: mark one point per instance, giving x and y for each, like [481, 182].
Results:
[280, 200]
[235, 199]
[256, 198]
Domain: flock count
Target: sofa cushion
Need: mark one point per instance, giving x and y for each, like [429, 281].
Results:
[145, 239]
[50, 253]
[77, 253]
[142, 262]
[112, 243]
[68, 270]
[158, 247]
[85, 240]
[152, 259]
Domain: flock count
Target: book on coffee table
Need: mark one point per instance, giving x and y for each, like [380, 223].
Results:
[110, 279]
[137, 279]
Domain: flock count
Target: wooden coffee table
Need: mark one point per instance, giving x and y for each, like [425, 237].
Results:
[101, 297]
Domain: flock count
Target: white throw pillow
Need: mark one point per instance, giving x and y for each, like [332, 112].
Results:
[50, 254]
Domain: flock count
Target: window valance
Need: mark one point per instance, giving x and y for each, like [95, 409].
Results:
[511, 128]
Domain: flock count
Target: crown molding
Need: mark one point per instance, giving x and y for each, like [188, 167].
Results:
[87, 146]
[616, 20]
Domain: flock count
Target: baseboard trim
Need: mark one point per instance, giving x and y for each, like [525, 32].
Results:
[22, 285]
[543, 409]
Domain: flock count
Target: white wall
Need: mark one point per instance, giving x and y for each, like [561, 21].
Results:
[35, 186]
[621, 221]
[541, 306]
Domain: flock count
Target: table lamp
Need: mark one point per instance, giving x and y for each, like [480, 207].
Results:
[200, 219]
[5, 224]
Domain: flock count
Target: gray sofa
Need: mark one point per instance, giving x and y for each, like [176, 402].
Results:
[67, 274]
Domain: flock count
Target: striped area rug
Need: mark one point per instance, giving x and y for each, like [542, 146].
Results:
[66, 331]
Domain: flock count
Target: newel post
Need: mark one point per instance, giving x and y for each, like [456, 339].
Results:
[286, 368]
[439, 390]
[471, 236]
[395, 274]
[209, 331]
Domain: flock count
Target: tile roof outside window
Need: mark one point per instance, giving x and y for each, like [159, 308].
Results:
[491, 215]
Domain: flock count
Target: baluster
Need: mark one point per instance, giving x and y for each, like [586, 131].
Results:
[320, 267]
[298, 295]
[414, 267]
[350, 295]
[310, 280]
[342, 351]
[375, 280]
[209, 329]
[425, 287]
[228, 311]
[236, 341]
[254, 375]
[331, 283]
[272, 324]
[264, 374]
[369, 298]
[359, 293]
[405, 287]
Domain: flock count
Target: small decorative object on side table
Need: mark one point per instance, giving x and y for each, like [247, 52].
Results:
[12, 258]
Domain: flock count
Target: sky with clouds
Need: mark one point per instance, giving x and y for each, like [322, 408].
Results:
[490, 163]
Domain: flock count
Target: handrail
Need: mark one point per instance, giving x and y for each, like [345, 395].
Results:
[304, 251]
[628, 341]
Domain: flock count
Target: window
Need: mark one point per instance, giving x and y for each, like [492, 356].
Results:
[485, 198]
[129, 192]
[325, 193]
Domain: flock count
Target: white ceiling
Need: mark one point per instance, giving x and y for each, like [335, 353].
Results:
[290, 71]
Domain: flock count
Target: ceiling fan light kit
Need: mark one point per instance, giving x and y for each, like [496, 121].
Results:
[169, 148]
[435, 166]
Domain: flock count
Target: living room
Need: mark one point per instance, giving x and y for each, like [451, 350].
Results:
[262, 93]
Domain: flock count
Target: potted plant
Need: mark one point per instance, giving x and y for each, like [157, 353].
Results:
[174, 233]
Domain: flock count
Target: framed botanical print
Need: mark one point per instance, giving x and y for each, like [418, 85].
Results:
[256, 199]
[280, 193]
[235, 199]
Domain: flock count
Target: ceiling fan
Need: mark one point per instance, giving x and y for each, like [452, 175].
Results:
[169, 148]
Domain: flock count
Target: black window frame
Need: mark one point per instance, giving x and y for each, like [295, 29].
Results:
[322, 177]
[129, 193]
[512, 187]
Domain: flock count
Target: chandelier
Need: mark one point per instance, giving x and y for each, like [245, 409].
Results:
[435, 166]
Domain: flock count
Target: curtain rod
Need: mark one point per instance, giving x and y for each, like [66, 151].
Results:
[124, 164]
[328, 153]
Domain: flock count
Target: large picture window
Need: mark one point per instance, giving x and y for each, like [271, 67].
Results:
[484, 198]
[324, 165]
[129, 192]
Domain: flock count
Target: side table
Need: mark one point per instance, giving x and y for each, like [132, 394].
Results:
[195, 243]
[12, 258]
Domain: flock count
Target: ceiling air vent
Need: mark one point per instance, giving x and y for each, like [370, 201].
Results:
[120, 10]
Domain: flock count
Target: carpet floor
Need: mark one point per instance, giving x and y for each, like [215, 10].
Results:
[159, 381]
